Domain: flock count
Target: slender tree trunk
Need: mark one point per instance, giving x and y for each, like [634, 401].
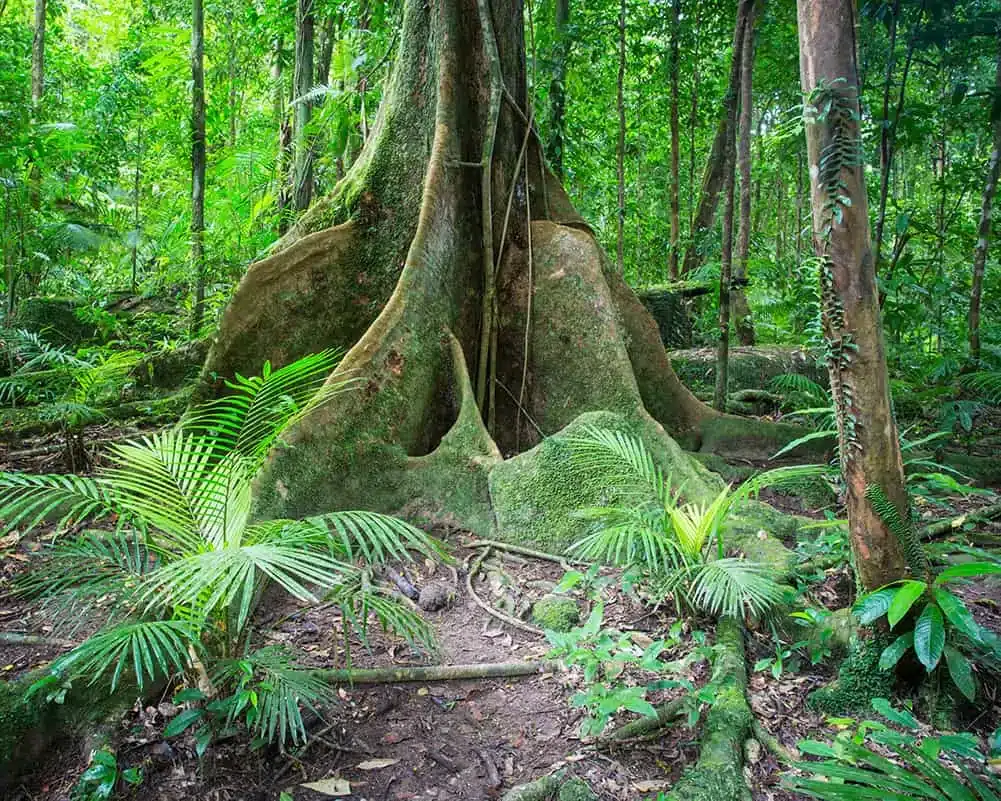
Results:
[741, 311]
[888, 137]
[135, 208]
[364, 21]
[672, 264]
[726, 256]
[986, 209]
[302, 191]
[231, 74]
[800, 193]
[38, 55]
[283, 161]
[621, 150]
[198, 159]
[557, 88]
[693, 117]
[713, 176]
[867, 433]
[328, 36]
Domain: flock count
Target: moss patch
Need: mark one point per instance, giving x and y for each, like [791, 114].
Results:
[538, 494]
[556, 612]
[859, 679]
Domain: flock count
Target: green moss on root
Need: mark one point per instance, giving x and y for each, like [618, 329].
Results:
[743, 438]
[718, 775]
[859, 679]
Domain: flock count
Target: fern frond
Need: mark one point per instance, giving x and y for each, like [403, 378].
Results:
[903, 530]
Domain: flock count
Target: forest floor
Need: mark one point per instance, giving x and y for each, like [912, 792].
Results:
[438, 740]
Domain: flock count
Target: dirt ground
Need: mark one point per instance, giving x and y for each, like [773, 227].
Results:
[443, 741]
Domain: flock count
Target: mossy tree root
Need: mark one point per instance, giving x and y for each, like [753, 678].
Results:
[437, 672]
[718, 775]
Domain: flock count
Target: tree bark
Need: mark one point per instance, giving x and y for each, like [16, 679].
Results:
[713, 176]
[302, 190]
[867, 432]
[986, 211]
[557, 89]
[672, 264]
[741, 311]
[38, 55]
[726, 255]
[198, 159]
[620, 164]
[136, 197]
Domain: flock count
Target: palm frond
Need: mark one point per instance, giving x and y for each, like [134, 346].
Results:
[733, 586]
[625, 535]
[281, 685]
[169, 481]
[359, 600]
[797, 384]
[228, 577]
[148, 649]
[986, 383]
[74, 576]
[29, 500]
[620, 459]
[376, 538]
[259, 409]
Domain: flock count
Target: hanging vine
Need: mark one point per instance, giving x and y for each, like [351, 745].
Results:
[833, 105]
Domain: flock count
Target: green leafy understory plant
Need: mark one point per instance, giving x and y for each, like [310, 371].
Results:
[610, 661]
[679, 544]
[872, 760]
[940, 629]
[101, 778]
[180, 566]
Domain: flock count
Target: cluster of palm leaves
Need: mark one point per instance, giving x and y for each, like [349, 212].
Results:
[679, 543]
[878, 763]
[172, 561]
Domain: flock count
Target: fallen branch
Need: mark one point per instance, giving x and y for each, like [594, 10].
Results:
[505, 546]
[666, 713]
[397, 675]
[16, 638]
[488, 608]
[983, 515]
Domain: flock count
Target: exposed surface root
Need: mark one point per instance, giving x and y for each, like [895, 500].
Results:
[718, 775]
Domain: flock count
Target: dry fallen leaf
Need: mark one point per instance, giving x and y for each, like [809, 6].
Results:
[334, 787]
[650, 785]
[375, 764]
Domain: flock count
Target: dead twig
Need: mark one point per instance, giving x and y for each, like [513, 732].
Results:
[488, 608]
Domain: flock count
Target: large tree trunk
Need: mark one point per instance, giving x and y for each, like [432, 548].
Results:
[986, 209]
[672, 264]
[395, 266]
[713, 176]
[738, 297]
[558, 89]
[198, 158]
[867, 433]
